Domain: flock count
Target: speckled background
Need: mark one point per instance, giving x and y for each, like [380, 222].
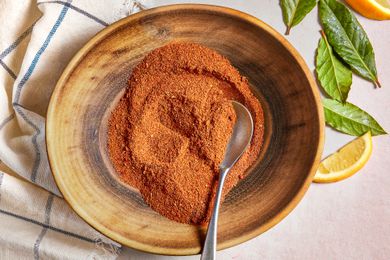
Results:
[344, 220]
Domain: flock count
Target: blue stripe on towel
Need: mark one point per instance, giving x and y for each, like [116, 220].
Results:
[23, 81]
[48, 226]
[8, 69]
[6, 120]
[16, 43]
[37, 160]
[37, 243]
[40, 52]
[77, 9]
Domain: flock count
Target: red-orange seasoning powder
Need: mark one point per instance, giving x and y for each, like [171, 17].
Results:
[168, 133]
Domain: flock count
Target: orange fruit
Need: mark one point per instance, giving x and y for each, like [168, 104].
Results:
[373, 9]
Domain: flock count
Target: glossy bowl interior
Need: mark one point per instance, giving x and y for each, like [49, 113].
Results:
[95, 79]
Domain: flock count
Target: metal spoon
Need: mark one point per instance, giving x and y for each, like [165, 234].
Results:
[239, 141]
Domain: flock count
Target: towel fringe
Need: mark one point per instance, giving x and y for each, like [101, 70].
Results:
[107, 248]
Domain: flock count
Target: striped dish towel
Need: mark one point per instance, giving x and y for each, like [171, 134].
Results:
[37, 40]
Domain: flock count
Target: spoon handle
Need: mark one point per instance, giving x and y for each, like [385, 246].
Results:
[210, 243]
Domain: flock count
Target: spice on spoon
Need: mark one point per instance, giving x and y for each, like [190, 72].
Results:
[168, 134]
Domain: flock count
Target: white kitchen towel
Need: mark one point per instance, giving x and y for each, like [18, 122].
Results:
[37, 40]
[36, 224]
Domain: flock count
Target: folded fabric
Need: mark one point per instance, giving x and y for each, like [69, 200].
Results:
[37, 40]
[37, 224]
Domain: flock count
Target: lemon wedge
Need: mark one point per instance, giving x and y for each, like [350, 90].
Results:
[373, 9]
[346, 161]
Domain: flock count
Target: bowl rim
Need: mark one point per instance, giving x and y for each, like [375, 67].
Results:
[78, 209]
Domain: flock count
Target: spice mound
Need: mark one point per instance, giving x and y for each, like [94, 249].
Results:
[168, 134]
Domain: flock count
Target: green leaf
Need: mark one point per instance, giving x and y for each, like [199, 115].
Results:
[348, 38]
[334, 77]
[350, 119]
[295, 10]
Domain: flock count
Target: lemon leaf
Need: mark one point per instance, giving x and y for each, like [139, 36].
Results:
[348, 38]
[350, 119]
[295, 10]
[334, 77]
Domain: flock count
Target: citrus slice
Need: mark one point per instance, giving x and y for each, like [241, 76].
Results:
[373, 9]
[346, 161]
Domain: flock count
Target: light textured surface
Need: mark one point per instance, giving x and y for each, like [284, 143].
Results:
[345, 220]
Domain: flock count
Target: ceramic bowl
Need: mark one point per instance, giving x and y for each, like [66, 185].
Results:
[94, 81]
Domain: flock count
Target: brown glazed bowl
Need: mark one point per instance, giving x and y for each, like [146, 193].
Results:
[94, 81]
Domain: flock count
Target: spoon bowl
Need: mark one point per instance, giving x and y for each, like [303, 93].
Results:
[241, 136]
